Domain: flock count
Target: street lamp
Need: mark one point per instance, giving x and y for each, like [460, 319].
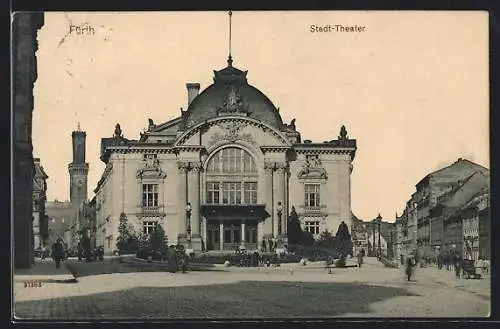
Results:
[279, 209]
[188, 220]
[379, 221]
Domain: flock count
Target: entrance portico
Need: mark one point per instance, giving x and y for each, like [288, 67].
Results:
[232, 226]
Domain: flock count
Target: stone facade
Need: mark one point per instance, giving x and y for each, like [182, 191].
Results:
[40, 224]
[24, 47]
[431, 221]
[429, 189]
[224, 174]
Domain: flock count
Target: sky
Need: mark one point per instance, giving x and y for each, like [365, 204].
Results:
[411, 88]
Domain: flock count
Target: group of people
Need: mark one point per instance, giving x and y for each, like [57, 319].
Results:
[85, 252]
[448, 260]
[269, 245]
[176, 259]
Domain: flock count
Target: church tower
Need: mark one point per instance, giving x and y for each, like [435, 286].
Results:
[78, 169]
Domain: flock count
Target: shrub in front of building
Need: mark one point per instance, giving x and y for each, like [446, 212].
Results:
[127, 238]
[152, 245]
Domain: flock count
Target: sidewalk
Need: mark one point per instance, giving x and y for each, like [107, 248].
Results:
[43, 271]
[480, 287]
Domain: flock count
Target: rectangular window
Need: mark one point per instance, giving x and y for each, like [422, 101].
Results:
[213, 192]
[250, 192]
[231, 193]
[227, 236]
[150, 195]
[312, 227]
[149, 227]
[312, 195]
[251, 234]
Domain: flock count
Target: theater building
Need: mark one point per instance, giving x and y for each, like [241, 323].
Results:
[223, 174]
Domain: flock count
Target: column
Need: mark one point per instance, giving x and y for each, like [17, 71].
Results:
[243, 232]
[268, 192]
[221, 235]
[182, 190]
[280, 196]
[194, 198]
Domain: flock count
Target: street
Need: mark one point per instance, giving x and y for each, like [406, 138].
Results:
[113, 290]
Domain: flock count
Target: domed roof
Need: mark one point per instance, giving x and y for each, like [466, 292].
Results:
[230, 94]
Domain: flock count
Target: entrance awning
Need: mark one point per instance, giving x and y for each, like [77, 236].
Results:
[234, 211]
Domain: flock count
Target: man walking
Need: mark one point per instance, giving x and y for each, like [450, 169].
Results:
[410, 263]
[57, 252]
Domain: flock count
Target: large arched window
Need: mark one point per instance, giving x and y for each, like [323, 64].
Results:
[231, 177]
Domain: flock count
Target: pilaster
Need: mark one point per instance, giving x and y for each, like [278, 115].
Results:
[267, 227]
[182, 168]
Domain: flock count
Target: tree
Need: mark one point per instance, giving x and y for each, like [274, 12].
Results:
[158, 240]
[297, 236]
[127, 240]
[326, 240]
[294, 230]
[343, 243]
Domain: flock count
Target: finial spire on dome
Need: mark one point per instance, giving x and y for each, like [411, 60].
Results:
[78, 127]
[230, 58]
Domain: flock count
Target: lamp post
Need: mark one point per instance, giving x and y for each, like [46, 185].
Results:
[379, 221]
[373, 238]
[188, 222]
[279, 210]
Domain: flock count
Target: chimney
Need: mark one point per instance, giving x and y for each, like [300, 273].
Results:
[193, 89]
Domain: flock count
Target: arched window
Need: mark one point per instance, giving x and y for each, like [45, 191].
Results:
[231, 177]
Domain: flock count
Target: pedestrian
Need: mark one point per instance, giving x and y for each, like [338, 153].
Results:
[57, 252]
[44, 252]
[410, 263]
[172, 259]
[360, 259]
[79, 251]
[458, 266]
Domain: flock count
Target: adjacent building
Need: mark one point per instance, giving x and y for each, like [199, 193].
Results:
[429, 189]
[359, 234]
[398, 249]
[40, 224]
[225, 173]
[25, 27]
[451, 210]
[432, 221]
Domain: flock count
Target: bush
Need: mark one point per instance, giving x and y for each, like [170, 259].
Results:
[313, 253]
[144, 246]
[127, 239]
[158, 241]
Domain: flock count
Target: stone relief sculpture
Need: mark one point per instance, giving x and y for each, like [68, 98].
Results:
[151, 169]
[233, 104]
[231, 133]
[312, 168]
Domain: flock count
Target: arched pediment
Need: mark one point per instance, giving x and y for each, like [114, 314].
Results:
[232, 129]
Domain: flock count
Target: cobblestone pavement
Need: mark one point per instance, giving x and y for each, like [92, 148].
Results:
[307, 291]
